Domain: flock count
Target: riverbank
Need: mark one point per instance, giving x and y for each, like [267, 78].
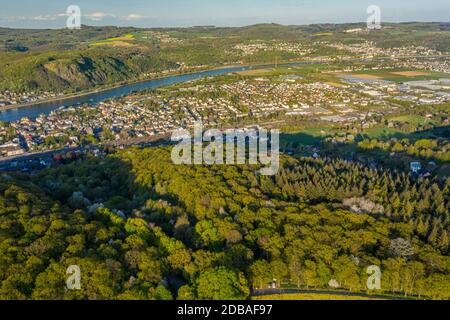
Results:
[88, 93]
[34, 110]
[67, 98]
[140, 81]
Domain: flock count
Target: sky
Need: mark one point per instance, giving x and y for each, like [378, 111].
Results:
[186, 13]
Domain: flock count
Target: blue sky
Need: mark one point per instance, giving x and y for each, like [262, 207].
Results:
[166, 13]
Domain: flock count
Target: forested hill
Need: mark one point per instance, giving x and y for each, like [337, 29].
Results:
[140, 227]
[69, 71]
[71, 60]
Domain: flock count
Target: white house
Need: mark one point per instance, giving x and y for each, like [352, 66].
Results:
[416, 167]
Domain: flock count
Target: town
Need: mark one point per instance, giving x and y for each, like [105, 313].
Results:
[352, 98]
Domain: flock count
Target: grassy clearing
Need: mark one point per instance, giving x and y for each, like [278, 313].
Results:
[323, 34]
[125, 37]
[412, 119]
[255, 72]
[309, 136]
[411, 73]
[380, 133]
[336, 84]
[122, 41]
[367, 76]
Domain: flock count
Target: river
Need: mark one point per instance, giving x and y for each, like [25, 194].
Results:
[39, 108]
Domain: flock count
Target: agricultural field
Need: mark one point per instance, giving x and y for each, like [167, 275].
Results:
[255, 72]
[127, 40]
[396, 75]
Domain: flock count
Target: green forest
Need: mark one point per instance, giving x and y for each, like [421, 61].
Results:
[140, 227]
[76, 70]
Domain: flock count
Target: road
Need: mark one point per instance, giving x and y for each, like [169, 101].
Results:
[268, 292]
[8, 163]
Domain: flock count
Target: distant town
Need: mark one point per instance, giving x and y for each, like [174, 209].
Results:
[338, 91]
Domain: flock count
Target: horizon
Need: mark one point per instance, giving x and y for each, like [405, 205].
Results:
[231, 27]
[47, 14]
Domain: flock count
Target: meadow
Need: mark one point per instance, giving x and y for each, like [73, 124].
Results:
[312, 296]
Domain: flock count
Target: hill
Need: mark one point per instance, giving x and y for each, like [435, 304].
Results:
[141, 227]
[68, 71]
[73, 60]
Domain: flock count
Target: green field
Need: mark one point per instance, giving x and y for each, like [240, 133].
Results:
[115, 40]
[379, 133]
[309, 136]
[411, 119]
[311, 296]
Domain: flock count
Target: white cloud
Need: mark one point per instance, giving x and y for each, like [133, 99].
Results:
[98, 16]
[94, 16]
[134, 17]
[49, 17]
[45, 18]
[13, 18]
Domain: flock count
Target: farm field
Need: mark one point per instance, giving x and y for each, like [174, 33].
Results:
[126, 40]
[255, 72]
[397, 75]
